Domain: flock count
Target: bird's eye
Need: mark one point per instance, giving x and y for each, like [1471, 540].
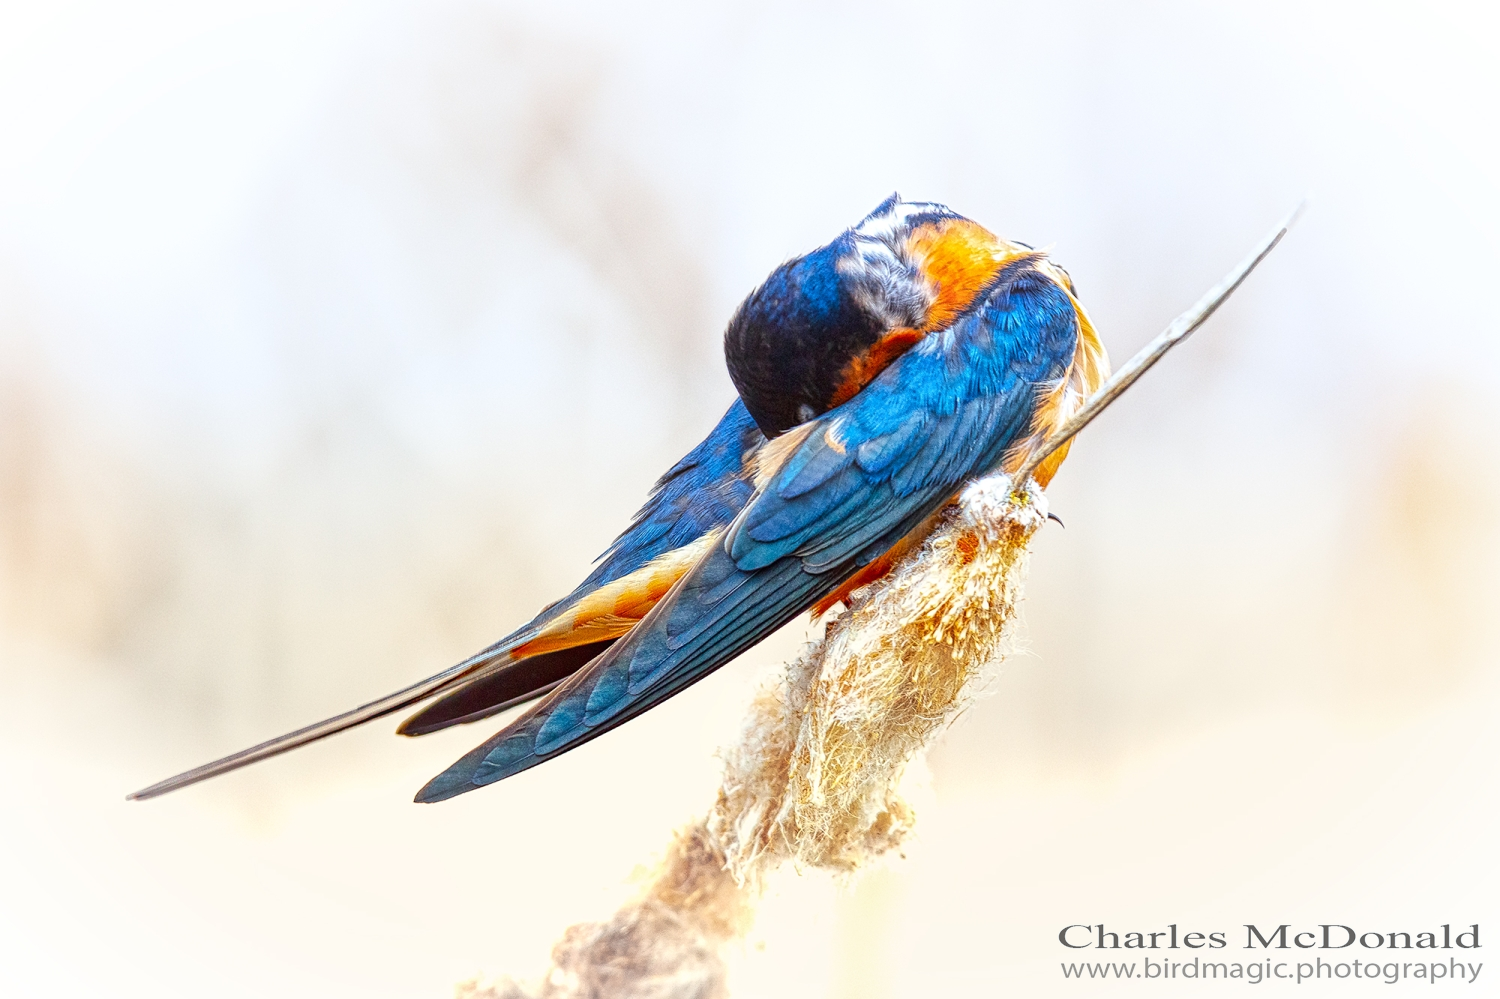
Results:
[805, 413]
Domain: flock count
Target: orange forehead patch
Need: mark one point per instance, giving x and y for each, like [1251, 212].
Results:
[959, 259]
[862, 368]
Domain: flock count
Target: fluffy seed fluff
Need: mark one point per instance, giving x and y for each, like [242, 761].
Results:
[813, 778]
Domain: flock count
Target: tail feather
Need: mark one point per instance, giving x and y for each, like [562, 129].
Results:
[696, 498]
[478, 666]
[489, 695]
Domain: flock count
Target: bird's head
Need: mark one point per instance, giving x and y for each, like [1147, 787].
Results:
[825, 323]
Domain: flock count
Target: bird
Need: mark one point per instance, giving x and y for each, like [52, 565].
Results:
[876, 376]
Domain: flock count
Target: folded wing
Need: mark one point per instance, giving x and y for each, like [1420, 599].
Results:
[866, 474]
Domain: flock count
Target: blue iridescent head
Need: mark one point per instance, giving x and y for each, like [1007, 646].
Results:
[825, 323]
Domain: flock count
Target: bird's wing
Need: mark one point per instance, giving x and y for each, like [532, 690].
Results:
[688, 507]
[862, 477]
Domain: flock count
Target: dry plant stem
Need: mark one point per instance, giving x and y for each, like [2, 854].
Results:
[1181, 328]
[666, 944]
[815, 774]
[814, 777]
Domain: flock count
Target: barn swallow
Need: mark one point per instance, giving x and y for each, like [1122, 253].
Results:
[876, 375]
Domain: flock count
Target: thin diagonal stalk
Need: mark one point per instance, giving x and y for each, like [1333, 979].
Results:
[1180, 329]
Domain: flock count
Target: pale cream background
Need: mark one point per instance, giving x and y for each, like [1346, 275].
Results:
[336, 338]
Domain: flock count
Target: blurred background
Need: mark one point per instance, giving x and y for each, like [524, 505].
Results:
[336, 338]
